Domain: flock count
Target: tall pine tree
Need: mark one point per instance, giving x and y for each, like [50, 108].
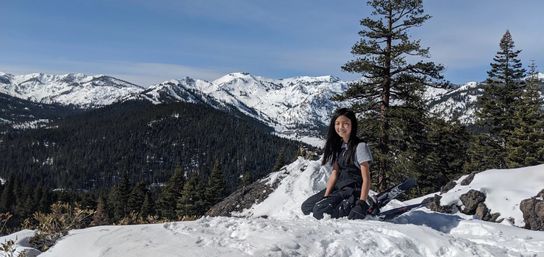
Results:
[215, 191]
[118, 198]
[136, 198]
[392, 85]
[496, 107]
[526, 145]
[192, 202]
[170, 194]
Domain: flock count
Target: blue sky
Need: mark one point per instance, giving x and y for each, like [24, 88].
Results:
[147, 42]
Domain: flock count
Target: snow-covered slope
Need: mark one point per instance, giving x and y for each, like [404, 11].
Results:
[235, 237]
[458, 103]
[294, 107]
[287, 232]
[184, 90]
[291, 103]
[69, 89]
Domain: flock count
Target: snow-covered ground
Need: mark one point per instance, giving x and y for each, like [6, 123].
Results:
[276, 227]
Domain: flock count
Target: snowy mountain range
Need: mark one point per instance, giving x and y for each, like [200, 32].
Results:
[298, 106]
[70, 89]
[277, 227]
[286, 104]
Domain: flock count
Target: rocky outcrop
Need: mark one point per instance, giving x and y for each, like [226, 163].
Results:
[448, 187]
[470, 200]
[473, 202]
[533, 212]
[247, 196]
[433, 204]
[241, 199]
[468, 179]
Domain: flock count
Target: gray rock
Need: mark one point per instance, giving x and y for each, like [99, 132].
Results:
[482, 212]
[448, 187]
[470, 200]
[533, 212]
[433, 203]
[241, 199]
[468, 179]
[247, 196]
[494, 217]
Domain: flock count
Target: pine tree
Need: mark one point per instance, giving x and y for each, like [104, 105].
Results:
[100, 217]
[45, 201]
[119, 198]
[280, 160]
[7, 200]
[191, 203]
[246, 178]
[390, 82]
[136, 198]
[445, 157]
[526, 144]
[496, 107]
[170, 194]
[147, 206]
[215, 191]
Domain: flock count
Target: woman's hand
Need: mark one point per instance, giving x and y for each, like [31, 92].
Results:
[359, 211]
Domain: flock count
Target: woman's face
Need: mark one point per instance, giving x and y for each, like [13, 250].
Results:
[342, 125]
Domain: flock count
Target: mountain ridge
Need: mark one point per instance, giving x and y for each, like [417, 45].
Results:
[295, 107]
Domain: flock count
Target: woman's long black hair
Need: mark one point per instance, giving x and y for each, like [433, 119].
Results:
[333, 146]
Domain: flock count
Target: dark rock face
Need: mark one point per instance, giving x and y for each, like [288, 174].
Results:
[247, 196]
[468, 179]
[448, 187]
[533, 212]
[470, 200]
[241, 199]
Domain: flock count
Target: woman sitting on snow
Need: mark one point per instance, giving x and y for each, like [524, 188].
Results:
[348, 186]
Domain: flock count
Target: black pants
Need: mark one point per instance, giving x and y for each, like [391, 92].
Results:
[337, 204]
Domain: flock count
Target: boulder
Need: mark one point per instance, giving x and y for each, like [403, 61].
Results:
[494, 217]
[482, 212]
[533, 212]
[448, 187]
[433, 204]
[468, 179]
[470, 200]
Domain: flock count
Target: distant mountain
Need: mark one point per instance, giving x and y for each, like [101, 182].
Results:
[458, 103]
[77, 89]
[294, 107]
[20, 113]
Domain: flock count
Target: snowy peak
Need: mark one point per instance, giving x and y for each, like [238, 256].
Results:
[290, 104]
[245, 84]
[296, 105]
[183, 90]
[68, 89]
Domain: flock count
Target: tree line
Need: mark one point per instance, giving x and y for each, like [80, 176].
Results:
[136, 158]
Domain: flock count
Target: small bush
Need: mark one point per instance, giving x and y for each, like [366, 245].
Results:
[135, 218]
[8, 249]
[52, 226]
